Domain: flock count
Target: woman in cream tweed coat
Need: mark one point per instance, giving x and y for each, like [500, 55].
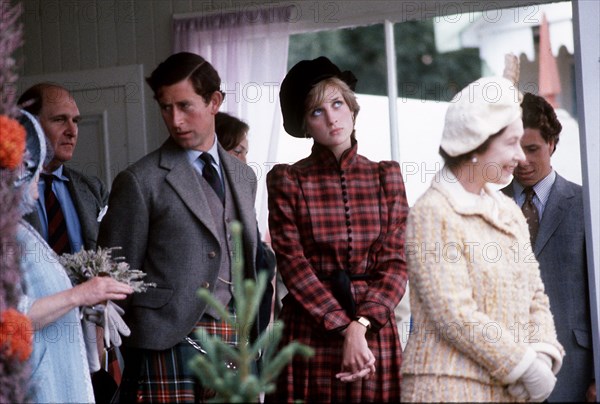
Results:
[482, 326]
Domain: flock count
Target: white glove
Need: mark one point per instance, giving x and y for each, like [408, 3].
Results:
[538, 380]
[114, 325]
[95, 313]
[518, 391]
[546, 359]
[91, 346]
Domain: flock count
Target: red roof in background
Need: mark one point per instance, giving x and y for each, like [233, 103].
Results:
[549, 80]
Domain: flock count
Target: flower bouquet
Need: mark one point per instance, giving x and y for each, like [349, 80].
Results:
[86, 264]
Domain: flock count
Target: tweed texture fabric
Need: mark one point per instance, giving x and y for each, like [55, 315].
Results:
[477, 299]
[447, 389]
[325, 216]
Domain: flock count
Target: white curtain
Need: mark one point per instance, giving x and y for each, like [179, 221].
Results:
[249, 49]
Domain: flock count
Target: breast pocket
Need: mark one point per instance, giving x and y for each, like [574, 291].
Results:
[153, 298]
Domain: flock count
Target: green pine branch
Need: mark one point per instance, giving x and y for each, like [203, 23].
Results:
[243, 384]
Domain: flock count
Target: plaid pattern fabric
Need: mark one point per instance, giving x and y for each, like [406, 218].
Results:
[324, 216]
[113, 367]
[166, 376]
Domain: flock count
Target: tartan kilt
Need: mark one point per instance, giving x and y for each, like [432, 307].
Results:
[166, 376]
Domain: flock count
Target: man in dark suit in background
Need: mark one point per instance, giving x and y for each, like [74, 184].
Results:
[558, 239]
[171, 213]
[81, 197]
[80, 200]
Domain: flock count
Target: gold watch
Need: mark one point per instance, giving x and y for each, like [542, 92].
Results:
[364, 321]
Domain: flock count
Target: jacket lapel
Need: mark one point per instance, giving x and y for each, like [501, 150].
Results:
[243, 193]
[558, 204]
[183, 178]
[509, 190]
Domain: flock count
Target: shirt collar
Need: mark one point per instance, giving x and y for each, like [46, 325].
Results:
[58, 173]
[193, 155]
[542, 188]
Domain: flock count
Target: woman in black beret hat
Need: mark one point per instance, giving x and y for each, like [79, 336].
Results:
[337, 225]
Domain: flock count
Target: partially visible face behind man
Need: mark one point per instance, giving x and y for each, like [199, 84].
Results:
[537, 163]
[59, 118]
[240, 151]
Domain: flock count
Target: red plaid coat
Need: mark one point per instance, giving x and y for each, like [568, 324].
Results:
[325, 216]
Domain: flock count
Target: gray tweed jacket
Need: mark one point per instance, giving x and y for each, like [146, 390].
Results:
[160, 217]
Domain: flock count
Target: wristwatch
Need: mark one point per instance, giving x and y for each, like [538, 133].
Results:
[364, 321]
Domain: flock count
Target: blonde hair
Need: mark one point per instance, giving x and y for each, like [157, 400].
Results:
[316, 96]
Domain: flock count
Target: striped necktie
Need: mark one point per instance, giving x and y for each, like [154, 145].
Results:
[58, 238]
[531, 213]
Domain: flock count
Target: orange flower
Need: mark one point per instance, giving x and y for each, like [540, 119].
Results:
[16, 334]
[12, 142]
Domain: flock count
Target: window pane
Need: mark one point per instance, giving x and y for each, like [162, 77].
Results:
[360, 50]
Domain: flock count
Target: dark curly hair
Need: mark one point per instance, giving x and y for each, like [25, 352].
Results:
[539, 114]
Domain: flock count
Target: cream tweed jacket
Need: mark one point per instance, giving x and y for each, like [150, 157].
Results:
[478, 305]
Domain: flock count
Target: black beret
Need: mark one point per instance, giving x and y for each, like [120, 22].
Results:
[297, 84]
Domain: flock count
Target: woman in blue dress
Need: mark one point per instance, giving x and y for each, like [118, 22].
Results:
[58, 364]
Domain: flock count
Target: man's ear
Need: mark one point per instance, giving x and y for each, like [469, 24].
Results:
[216, 99]
[552, 146]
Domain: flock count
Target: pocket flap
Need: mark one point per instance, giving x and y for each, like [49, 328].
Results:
[583, 338]
[153, 298]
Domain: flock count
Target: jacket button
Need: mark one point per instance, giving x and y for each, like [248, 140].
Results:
[212, 254]
[205, 285]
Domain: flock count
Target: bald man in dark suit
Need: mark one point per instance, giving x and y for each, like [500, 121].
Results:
[82, 197]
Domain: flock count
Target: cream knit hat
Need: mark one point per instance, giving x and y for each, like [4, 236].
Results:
[478, 111]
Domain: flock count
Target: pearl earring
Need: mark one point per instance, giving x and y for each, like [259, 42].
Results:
[474, 160]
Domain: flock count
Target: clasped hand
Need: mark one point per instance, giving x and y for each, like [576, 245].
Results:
[358, 361]
[537, 382]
